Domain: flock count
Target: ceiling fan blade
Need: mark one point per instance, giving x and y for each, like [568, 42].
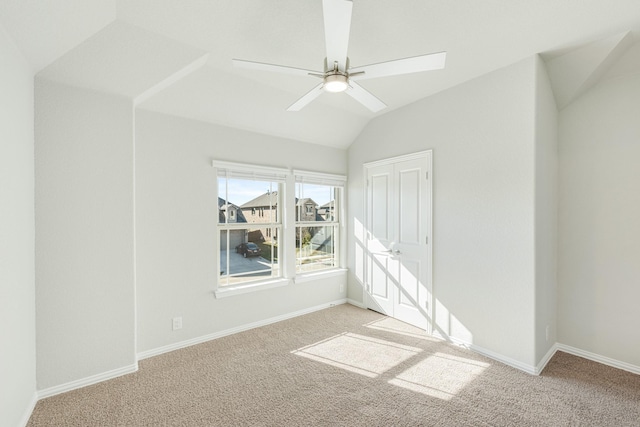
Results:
[365, 97]
[337, 23]
[306, 98]
[432, 61]
[251, 65]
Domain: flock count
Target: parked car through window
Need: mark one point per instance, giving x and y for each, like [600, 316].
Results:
[248, 249]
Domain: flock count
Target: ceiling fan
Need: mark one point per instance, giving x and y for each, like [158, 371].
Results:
[338, 75]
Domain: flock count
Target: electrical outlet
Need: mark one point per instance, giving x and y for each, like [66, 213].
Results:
[341, 287]
[177, 323]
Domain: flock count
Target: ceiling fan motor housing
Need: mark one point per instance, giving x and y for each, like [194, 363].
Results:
[336, 82]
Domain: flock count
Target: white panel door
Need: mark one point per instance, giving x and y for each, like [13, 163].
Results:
[398, 247]
[380, 216]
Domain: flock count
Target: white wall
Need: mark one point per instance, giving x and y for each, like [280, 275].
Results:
[482, 136]
[176, 215]
[84, 233]
[546, 211]
[599, 249]
[17, 291]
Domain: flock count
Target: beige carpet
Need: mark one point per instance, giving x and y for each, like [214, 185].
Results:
[346, 367]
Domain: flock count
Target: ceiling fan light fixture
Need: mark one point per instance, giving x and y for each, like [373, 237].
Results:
[336, 83]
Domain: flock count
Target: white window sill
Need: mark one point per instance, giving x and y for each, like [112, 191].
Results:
[228, 291]
[324, 274]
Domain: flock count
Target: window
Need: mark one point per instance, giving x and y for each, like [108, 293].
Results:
[318, 200]
[248, 247]
[274, 224]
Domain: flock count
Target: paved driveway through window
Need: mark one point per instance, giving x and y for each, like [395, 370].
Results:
[239, 264]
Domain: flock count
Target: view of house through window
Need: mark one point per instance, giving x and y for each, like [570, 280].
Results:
[253, 202]
[317, 226]
[248, 222]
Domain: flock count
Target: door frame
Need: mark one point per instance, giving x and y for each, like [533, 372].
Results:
[427, 155]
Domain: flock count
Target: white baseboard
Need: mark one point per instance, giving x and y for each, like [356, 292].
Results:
[93, 379]
[187, 343]
[547, 357]
[534, 370]
[356, 303]
[530, 369]
[537, 370]
[600, 359]
[73, 385]
[29, 410]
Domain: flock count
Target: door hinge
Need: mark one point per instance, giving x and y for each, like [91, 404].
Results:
[426, 240]
[427, 173]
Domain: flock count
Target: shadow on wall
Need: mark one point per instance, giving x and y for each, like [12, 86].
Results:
[446, 325]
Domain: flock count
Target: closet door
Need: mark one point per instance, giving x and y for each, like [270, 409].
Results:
[398, 212]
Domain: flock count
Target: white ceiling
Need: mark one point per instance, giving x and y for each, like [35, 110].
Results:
[175, 56]
[45, 30]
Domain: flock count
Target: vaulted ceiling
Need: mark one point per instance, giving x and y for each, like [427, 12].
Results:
[175, 56]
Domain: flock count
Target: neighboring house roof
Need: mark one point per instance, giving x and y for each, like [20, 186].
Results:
[327, 207]
[271, 199]
[263, 201]
[222, 208]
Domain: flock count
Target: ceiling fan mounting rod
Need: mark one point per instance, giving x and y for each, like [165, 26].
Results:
[336, 68]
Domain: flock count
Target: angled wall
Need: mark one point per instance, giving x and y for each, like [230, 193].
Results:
[84, 235]
[17, 289]
[599, 272]
[578, 70]
[483, 140]
[546, 215]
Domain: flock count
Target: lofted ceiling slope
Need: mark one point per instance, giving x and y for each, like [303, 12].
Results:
[46, 30]
[175, 57]
[574, 73]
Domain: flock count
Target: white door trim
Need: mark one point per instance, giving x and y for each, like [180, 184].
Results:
[391, 160]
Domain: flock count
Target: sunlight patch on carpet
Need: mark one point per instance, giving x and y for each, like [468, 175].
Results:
[440, 375]
[360, 354]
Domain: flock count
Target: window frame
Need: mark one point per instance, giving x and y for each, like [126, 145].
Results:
[287, 224]
[230, 170]
[338, 182]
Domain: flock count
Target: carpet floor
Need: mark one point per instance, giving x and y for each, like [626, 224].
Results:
[345, 366]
